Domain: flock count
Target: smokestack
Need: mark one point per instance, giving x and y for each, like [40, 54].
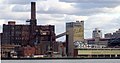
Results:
[33, 11]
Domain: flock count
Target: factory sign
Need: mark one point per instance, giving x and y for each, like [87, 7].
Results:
[78, 33]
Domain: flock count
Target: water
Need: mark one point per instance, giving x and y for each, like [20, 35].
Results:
[64, 61]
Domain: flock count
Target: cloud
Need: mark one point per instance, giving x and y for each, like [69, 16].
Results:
[94, 5]
[101, 20]
[91, 1]
[5, 8]
[58, 17]
[21, 8]
[14, 15]
[89, 7]
[92, 11]
[47, 7]
[1, 24]
[19, 1]
[1, 1]
[105, 22]
[104, 14]
[56, 7]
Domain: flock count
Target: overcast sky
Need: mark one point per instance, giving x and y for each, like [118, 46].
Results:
[102, 14]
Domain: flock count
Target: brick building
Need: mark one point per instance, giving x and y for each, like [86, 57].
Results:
[40, 36]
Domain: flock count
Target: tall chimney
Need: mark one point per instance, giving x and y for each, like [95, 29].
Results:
[33, 20]
[33, 11]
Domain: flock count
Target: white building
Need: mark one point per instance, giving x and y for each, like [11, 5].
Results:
[97, 33]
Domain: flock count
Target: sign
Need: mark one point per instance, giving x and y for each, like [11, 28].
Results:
[78, 33]
[98, 52]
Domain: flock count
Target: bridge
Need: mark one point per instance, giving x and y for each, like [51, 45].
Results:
[60, 35]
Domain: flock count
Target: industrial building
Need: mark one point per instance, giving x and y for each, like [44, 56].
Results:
[114, 39]
[42, 37]
[98, 47]
[97, 41]
[74, 33]
[26, 40]
[113, 35]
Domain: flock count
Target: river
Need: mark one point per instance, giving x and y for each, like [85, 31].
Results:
[64, 61]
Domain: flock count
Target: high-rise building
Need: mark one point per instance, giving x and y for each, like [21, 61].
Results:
[97, 33]
[75, 33]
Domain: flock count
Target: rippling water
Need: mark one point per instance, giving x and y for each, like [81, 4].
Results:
[64, 61]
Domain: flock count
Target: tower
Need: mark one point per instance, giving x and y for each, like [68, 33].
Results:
[33, 14]
[75, 33]
[33, 23]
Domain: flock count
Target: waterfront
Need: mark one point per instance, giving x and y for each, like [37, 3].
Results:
[35, 40]
[64, 61]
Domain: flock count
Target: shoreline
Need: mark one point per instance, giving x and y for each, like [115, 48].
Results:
[50, 58]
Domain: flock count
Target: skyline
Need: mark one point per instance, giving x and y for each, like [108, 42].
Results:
[95, 14]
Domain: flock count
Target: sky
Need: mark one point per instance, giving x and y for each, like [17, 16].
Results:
[101, 14]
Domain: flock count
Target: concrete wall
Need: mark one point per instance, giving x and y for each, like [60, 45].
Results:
[75, 32]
